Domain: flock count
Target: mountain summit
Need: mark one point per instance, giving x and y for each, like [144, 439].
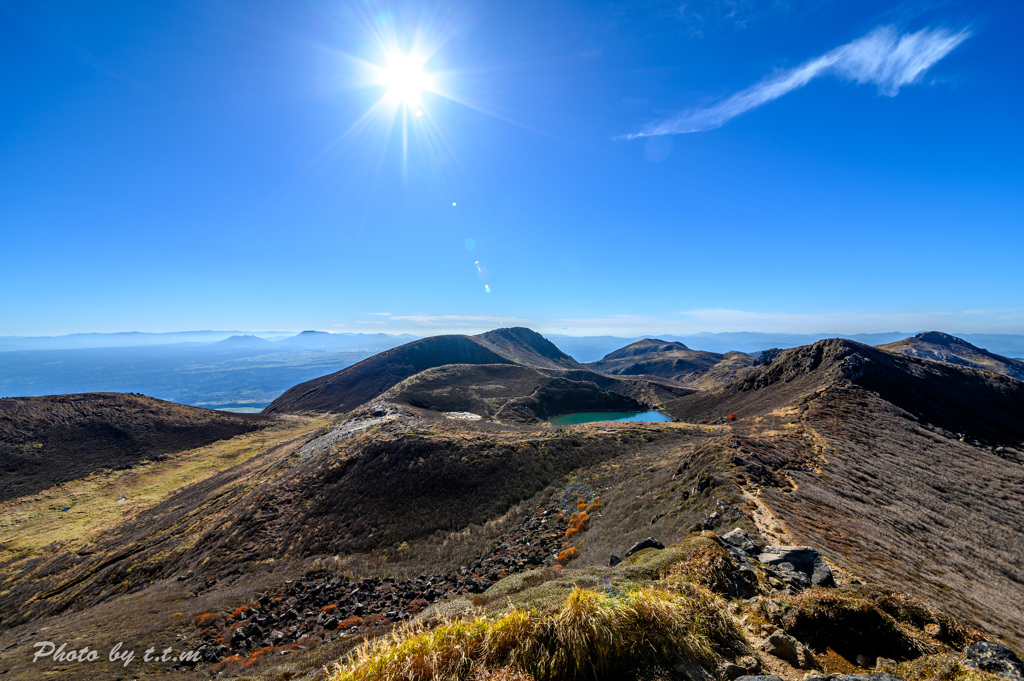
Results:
[355, 385]
[946, 348]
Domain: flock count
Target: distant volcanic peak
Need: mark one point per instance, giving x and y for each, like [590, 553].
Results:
[647, 346]
[944, 339]
[247, 339]
[310, 332]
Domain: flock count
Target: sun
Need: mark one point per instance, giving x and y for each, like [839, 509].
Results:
[405, 79]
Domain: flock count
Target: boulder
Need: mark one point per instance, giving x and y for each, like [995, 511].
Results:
[994, 658]
[740, 540]
[803, 559]
[783, 646]
[649, 543]
[614, 560]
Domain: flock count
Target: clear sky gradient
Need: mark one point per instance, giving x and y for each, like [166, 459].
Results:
[577, 167]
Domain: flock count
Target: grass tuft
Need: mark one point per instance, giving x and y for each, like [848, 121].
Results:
[592, 635]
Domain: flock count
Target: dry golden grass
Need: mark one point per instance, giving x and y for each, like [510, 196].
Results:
[592, 635]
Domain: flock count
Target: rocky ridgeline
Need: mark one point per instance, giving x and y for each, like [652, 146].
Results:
[321, 606]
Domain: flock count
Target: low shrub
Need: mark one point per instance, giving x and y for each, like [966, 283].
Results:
[578, 522]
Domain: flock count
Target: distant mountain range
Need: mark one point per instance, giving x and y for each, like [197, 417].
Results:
[593, 348]
[249, 370]
[321, 340]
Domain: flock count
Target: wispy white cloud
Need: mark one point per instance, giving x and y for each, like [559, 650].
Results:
[884, 57]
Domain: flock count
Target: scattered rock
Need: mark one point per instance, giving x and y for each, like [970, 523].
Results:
[803, 560]
[763, 677]
[614, 560]
[730, 671]
[750, 663]
[994, 658]
[739, 539]
[782, 646]
[649, 543]
[325, 605]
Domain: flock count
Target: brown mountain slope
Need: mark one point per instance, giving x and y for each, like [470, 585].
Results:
[527, 347]
[366, 485]
[47, 440]
[906, 471]
[675, 361]
[355, 385]
[510, 393]
[945, 348]
[351, 387]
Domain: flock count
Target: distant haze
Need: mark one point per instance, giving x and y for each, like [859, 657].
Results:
[235, 369]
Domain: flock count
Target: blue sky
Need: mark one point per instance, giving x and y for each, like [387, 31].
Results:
[577, 167]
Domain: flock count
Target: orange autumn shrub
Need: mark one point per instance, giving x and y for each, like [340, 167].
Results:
[227, 662]
[565, 555]
[579, 522]
[207, 618]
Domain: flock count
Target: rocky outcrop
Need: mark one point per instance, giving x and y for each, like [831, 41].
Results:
[994, 658]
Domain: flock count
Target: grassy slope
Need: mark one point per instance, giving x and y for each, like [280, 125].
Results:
[54, 560]
[48, 440]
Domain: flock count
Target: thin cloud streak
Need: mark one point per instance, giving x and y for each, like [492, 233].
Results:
[883, 57]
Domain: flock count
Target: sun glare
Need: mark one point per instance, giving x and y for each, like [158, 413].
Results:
[405, 79]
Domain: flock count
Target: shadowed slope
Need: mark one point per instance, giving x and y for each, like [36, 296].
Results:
[47, 440]
[513, 393]
[945, 348]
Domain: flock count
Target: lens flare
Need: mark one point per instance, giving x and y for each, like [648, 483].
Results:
[573, 493]
[405, 80]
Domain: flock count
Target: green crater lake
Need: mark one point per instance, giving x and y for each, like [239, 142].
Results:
[588, 416]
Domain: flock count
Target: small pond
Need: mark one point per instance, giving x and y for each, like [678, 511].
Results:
[588, 416]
